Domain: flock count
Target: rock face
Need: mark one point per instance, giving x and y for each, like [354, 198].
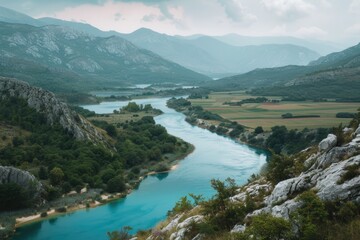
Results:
[328, 143]
[56, 112]
[324, 177]
[20, 177]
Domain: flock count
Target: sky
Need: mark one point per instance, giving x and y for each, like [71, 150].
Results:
[331, 20]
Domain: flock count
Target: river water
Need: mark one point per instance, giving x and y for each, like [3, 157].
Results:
[214, 157]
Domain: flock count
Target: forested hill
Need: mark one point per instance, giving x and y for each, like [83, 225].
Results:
[45, 144]
[55, 112]
[63, 59]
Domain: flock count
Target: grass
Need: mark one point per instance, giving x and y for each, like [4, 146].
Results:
[121, 118]
[268, 115]
[8, 133]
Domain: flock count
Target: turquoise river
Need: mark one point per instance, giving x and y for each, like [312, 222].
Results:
[214, 157]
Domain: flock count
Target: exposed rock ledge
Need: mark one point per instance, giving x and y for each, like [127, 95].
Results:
[20, 177]
[326, 169]
[56, 112]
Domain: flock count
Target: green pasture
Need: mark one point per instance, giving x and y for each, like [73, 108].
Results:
[268, 115]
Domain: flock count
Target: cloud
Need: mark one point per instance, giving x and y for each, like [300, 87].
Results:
[289, 9]
[232, 9]
[355, 7]
[153, 18]
[311, 32]
[354, 29]
[235, 11]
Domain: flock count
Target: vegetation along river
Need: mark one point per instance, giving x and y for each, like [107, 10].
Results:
[214, 157]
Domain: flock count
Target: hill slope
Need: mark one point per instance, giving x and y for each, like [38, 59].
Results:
[111, 60]
[213, 57]
[321, 47]
[321, 78]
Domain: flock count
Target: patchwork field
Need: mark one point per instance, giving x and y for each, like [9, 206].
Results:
[268, 115]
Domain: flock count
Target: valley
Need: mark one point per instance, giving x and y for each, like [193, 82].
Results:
[269, 114]
[179, 120]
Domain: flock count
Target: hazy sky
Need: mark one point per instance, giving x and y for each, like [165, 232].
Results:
[333, 20]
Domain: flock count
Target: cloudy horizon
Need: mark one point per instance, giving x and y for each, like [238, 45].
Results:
[327, 20]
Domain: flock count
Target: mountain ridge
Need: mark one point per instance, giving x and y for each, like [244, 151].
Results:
[112, 59]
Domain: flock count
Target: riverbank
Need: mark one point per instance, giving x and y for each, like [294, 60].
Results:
[105, 198]
[214, 157]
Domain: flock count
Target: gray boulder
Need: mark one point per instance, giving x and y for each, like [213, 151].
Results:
[238, 228]
[328, 143]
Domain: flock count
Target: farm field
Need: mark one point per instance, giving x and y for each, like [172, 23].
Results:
[268, 115]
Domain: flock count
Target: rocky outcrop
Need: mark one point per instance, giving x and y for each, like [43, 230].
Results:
[324, 177]
[328, 143]
[20, 177]
[55, 111]
[253, 190]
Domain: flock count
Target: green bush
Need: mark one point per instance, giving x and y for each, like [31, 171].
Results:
[61, 209]
[43, 214]
[116, 184]
[268, 227]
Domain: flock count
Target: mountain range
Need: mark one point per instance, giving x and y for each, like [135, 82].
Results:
[211, 56]
[336, 75]
[112, 60]
[215, 58]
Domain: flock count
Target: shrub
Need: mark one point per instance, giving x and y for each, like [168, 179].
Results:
[183, 205]
[352, 171]
[43, 214]
[116, 184]
[258, 130]
[268, 227]
[61, 209]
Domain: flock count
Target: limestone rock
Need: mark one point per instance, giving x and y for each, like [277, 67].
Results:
[252, 190]
[357, 131]
[238, 228]
[20, 177]
[347, 130]
[55, 111]
[328, 143]
[172, 224]
[188, 221]
[179, 235]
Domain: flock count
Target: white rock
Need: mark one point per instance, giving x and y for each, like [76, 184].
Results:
[238, 228]
[328, 143]
[179, 235]
[172, 224]
[347, 130]
[188, 221]
[357, 131]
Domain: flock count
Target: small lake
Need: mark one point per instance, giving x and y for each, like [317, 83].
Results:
[214, 157]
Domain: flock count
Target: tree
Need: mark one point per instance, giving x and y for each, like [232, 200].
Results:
[131, 107]
[116, 184]
[12, 197]
[56, 176]
[311, 216]
[268, 227]
[123, 234]
[43, 173]
[280, 167]
[111, 130]
[258, 130]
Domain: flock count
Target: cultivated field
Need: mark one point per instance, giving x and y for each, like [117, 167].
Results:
[268, 115]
